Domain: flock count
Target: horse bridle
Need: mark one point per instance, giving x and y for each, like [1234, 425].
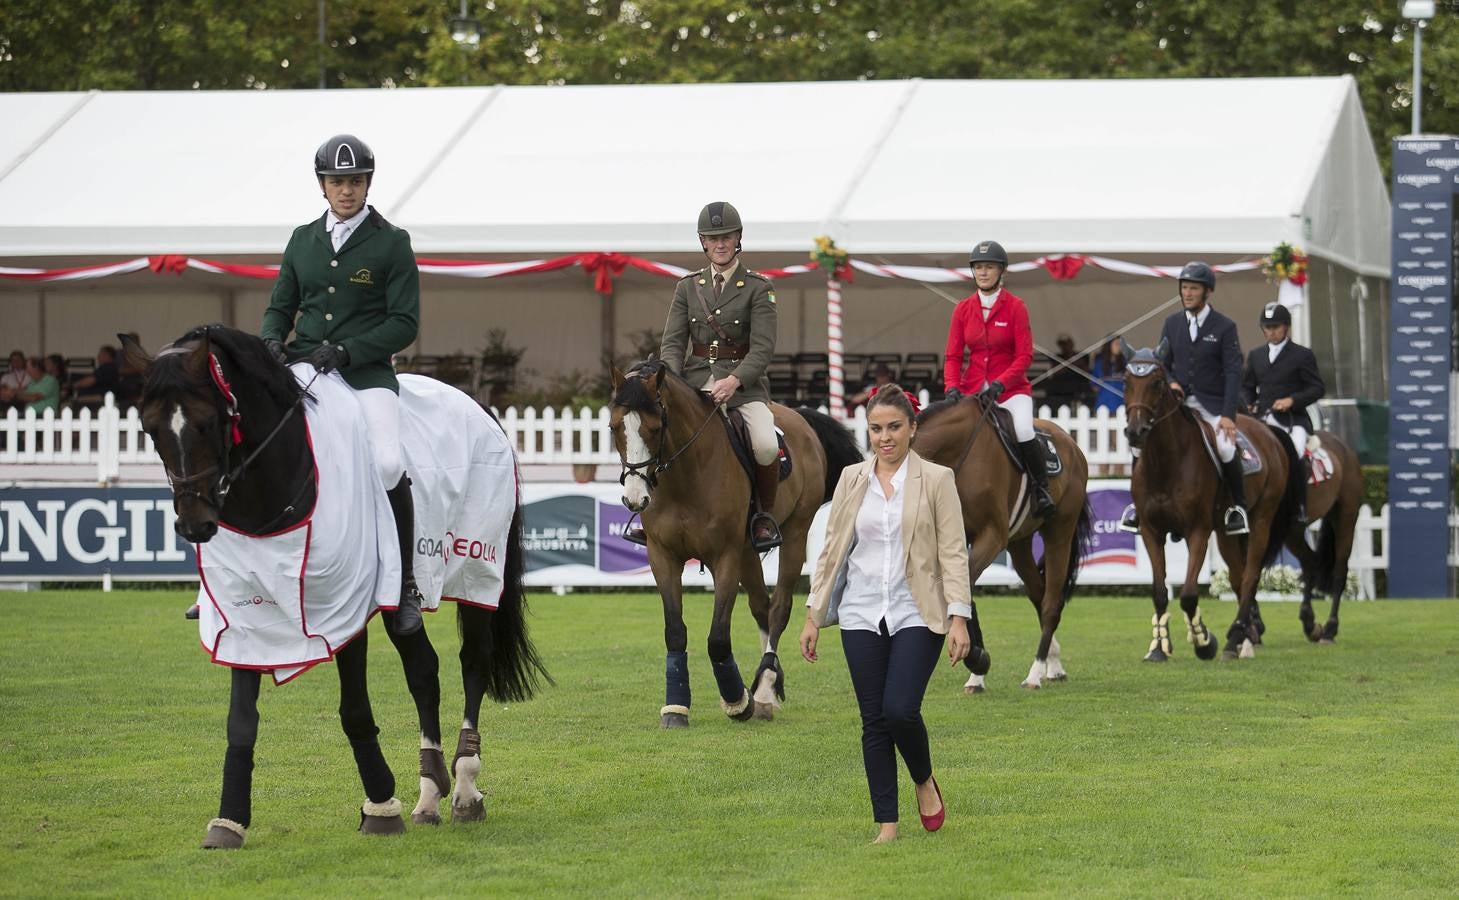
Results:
[1156, 417]
[229, 476]
[650, 469]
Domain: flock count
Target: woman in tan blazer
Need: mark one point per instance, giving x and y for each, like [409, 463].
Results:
[894, 574]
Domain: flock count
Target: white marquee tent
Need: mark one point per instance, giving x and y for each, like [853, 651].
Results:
[910, 172]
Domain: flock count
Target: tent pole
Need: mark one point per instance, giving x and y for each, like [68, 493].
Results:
[836, 376]
[40, 308]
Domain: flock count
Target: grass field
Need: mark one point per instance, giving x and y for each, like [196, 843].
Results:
[1308, 770]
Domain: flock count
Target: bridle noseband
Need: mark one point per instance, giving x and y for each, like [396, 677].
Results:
[1156, 417]
[650, 469]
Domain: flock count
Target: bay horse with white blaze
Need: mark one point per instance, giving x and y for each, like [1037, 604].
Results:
[1178, 491]
[233, 429]
[681, 473]
[963, 435]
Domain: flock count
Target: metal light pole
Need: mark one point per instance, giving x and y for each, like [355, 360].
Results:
[1419, 11]
[466, 32]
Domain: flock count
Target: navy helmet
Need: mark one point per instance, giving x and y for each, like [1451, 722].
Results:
[1200, 273]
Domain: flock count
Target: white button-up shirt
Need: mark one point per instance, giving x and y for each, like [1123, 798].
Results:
[340, 229]
[1273, 349]
[876, 580]
[1196, 320]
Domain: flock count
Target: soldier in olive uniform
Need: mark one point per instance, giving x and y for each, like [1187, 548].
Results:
[349, 290]
[720, 336]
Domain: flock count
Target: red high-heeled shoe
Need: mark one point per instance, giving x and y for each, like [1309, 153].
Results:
[934, 821]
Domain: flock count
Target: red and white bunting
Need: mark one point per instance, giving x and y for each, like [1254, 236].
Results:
[606, 267]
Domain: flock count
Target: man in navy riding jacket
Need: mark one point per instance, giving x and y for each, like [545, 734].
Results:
[1282, 381]
[1203, 359]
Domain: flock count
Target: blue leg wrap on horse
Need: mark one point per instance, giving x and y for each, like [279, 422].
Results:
[676, 679]
[727, 676]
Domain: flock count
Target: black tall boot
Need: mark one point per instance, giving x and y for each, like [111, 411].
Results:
[1236, 522]
[1032, 453]
[1306, 480]
[764, 532]
[407, 617]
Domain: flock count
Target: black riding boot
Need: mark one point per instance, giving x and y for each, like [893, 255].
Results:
[1306, 480]
[1236, 522]
[407, 617]
[1032, 453]
[764, 532]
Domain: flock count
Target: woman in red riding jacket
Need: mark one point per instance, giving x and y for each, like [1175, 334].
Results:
[989, 348]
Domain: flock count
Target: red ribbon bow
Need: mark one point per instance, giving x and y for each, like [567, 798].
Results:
[911, 398]
[604, 267]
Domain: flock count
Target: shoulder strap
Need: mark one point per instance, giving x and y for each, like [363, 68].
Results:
[709, 314]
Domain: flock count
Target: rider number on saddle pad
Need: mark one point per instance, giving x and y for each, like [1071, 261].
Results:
[1052, 462]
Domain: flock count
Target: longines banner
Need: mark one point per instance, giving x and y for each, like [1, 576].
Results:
[1425, 180]
[572, 532]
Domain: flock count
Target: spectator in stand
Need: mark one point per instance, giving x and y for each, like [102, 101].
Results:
[129, 387]
[1109, 373]
[92, 389]
[44, 390]
[881, 377]
[1069, 385]
[13, 381]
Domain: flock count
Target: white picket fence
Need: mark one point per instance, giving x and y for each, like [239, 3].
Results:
[109, 438]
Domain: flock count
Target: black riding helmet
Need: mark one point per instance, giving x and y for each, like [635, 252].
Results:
[344, 154]
[1275, 314]
[1200, 273]
[989, 251]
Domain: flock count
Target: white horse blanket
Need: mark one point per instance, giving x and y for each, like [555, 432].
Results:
[284, 602]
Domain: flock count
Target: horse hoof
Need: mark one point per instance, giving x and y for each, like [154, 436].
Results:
[1030, 685]
[1207, 651]
[1228, 655]
[1326, 642]
[1156, 655]
[765, 712]
[673, 720]
[975, 689]
[1315, 635]
[978, 661]
[425, 818]
[224, 834]
[1062, 676]
[748, 713]
[1248, 650]
[475, 811]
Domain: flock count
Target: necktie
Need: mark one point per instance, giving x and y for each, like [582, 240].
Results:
[1195, 328]
[718, 285]
[339, 233]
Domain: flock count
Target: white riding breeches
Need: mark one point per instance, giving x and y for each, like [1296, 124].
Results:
[1020, 406]
[381, 408]
[1225, 446]
[1297, 433]
[760, 423]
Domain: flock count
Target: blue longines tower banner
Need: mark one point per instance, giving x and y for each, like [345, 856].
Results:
[1425, 176]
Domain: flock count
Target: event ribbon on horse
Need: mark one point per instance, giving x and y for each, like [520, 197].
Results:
[226, 390]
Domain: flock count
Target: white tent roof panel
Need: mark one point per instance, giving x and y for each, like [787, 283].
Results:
[1117, 167]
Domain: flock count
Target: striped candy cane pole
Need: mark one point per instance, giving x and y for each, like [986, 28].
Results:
[837, 381]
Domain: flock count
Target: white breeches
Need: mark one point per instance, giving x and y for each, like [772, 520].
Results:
[1020, 406]
[1297, 433]
[381, 407]
[1225, 446]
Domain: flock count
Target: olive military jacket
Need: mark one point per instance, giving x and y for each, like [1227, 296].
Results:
[746, 313]
[365, 297]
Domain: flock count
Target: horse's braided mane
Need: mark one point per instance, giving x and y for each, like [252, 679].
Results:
[250, 360]
[633, 396]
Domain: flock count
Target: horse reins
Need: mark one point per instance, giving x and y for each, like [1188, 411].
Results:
[658, 464]
[984, 406]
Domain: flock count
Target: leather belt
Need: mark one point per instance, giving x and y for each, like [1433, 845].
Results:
[715, 351]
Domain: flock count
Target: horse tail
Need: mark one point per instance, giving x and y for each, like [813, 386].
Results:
[1285, 519]
[1322, 579]
[495, 642]
[1083, 540]
[840, 448]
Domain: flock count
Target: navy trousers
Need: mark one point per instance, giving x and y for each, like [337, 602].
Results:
[890, 675]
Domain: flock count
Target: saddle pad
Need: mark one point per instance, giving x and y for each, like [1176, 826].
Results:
[1245, 450]
[739, 438]
[1003, 420]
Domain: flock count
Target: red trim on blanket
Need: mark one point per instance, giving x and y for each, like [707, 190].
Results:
[473, 603]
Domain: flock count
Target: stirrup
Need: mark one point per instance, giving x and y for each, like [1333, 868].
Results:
[1130, 520]
[633, 532]
[770, 542]
[1238, 513]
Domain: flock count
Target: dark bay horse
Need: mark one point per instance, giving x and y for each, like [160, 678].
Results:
[962, 435]
[1334, 503]
[229, 424]
[681, 474]
[1178, 490]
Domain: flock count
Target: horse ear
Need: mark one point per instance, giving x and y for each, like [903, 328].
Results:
[1125, 349]
[1162, 349]
[132, 353]
[617, 377]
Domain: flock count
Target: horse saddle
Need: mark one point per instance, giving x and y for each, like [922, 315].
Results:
[1245, 450]
[1003, 426]
[739, 438]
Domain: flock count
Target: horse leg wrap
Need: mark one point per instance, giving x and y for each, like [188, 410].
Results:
[382, 817]
[1161, 633]
[770, 662]
[467, 804]
[468, 744]
[1196, 631]
[731, 685]
[237, 802]
[435, 784]
[676, 682]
